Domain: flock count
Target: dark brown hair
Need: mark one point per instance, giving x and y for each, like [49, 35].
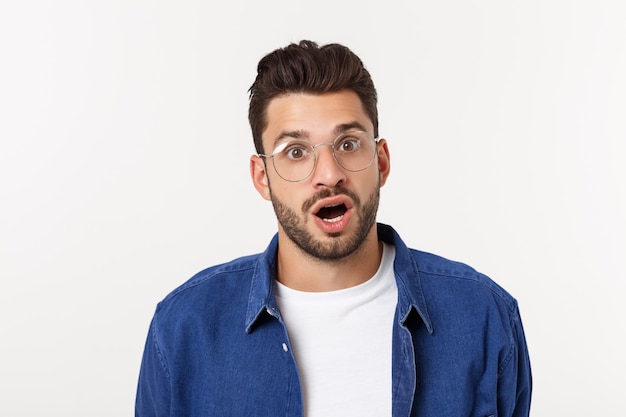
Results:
[308, 68]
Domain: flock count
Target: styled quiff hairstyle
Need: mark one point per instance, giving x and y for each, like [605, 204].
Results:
[308, 68]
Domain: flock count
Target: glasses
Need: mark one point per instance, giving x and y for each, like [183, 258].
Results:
[295, 160]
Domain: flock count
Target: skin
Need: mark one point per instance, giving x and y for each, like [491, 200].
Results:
[314, 255]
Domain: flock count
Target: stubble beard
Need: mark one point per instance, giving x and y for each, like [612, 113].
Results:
[337, 246]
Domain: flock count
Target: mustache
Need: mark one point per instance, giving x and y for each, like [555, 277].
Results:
[330, 192]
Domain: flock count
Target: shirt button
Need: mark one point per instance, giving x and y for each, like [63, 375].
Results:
[285, 348]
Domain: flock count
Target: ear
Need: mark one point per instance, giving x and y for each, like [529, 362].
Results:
[384, 162]
[259, 176]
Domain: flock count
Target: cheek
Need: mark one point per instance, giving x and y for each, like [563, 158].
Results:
[369, 181]
[284, 193]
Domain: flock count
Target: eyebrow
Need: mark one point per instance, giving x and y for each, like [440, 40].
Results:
[304, 134]
[345, 127]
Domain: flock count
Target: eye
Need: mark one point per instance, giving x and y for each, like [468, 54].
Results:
[348, 144]
[296, 152]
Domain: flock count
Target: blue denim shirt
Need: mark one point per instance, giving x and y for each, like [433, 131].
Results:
[217, 345]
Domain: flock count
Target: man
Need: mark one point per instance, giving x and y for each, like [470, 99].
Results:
[337, 317]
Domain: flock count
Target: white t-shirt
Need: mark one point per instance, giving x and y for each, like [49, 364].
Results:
[342, 343]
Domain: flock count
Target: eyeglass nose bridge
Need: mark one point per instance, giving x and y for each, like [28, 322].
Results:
[332, 151]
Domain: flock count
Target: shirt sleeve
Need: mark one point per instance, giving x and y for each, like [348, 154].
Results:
[153, 391]
[515, 380]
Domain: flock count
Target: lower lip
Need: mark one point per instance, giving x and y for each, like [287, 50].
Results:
[336, 226]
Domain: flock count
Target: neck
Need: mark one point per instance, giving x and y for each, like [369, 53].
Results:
[301, 271]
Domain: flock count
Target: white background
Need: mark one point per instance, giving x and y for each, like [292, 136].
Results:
[124, 170]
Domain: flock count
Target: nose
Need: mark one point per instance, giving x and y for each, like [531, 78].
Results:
[327, 171]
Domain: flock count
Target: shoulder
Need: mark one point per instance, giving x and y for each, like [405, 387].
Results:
[215, 275]
[212, 284]
[439, 274]
[434, 280]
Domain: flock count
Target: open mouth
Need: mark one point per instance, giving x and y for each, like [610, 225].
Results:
[332, 213]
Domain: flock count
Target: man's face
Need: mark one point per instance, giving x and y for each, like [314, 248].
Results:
[329, 214]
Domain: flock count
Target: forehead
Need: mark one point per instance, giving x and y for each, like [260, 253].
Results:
[317, 116]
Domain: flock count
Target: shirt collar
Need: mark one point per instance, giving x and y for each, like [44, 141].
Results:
[261, 299]
[410, 294]
[411, 299]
